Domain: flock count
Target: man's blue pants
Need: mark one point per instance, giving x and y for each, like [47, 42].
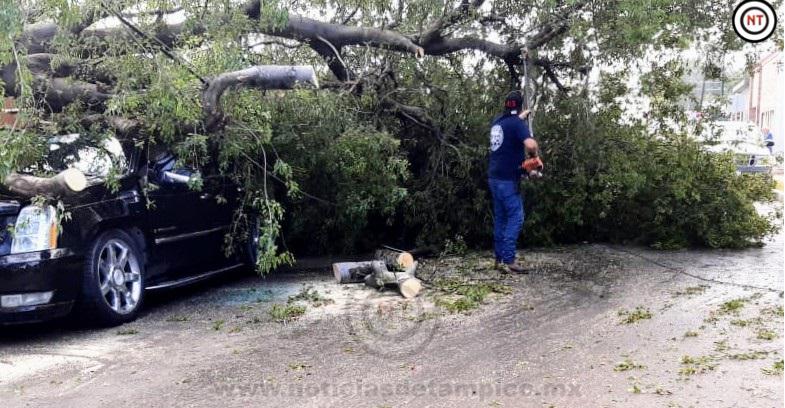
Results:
[507, 218]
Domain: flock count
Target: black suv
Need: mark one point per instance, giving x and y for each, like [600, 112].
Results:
[151, 230]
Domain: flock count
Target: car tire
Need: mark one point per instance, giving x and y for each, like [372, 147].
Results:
[113, 278]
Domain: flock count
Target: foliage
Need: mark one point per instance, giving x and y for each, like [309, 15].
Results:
[627, 365]
[286, 313]
[461, 296]
[341, 169]
[775, 369]
[696, 365]
[633, 316]
[310, 296]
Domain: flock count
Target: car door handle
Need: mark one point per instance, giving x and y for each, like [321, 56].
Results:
[205, 196]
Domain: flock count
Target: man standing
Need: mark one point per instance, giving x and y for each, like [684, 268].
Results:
[510, 142]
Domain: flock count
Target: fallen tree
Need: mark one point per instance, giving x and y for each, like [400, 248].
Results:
[392, 148]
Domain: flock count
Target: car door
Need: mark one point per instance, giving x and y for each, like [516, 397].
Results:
[217, 201]
[182, 227]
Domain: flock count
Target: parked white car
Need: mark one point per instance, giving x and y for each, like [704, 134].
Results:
[744, 140]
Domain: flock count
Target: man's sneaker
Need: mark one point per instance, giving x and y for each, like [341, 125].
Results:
[515, 268]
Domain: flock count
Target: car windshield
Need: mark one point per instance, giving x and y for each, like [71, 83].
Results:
[93, 157]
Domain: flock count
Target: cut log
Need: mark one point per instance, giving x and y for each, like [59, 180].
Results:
[398, 261]
[352, 272]
[410, 287]
[64, 183]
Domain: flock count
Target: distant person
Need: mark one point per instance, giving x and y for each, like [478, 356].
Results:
[768, 138]
[510, 142]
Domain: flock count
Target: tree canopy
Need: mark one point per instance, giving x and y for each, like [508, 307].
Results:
[392, 146]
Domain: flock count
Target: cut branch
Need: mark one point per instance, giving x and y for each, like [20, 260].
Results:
[65, 183]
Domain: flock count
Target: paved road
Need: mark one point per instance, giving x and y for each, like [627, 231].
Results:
[557, 340]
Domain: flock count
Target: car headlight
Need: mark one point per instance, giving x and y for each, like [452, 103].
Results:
[35, 229]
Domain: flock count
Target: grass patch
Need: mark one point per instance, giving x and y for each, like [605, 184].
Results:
[732, 306]
[177, 318]
[752, 355]
[311, 296]
[772, 311]
[285, 313]
[692, 290]
[721, 345]
[765, 334]
[696, 365]
[743, 323]
[127, 332]
[691, 333]
[627, 365]
[776, 368]
[633, 316]
[461, 305]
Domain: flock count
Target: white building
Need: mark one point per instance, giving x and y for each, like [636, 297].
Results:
[738, 110]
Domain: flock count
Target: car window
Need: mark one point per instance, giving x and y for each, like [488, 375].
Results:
[165, 170]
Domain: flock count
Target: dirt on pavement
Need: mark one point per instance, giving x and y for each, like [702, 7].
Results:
[590, 326]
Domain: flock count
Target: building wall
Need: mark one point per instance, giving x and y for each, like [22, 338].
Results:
[766, 98]
[8, 115]
[738, 105]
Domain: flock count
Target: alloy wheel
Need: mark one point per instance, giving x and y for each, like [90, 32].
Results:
[119, 276]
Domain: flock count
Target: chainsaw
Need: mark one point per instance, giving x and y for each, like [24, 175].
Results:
[532, 167]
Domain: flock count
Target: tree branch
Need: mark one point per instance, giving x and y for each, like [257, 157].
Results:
[262, 77]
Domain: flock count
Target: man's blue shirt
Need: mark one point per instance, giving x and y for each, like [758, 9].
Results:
[507, 135]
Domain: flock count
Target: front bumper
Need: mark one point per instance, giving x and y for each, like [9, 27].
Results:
[57, 270]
